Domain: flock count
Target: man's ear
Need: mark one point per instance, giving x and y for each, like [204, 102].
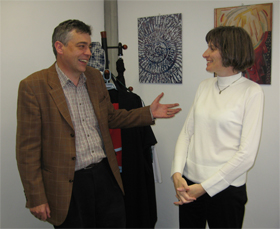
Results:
[59, 47]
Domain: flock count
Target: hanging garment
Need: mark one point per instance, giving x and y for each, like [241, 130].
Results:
[117, 141]
[120, 70]
[97, 59]
[137, 168]
[156, 167]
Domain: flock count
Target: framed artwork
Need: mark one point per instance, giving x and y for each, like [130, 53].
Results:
[160, 49]
[257, 21]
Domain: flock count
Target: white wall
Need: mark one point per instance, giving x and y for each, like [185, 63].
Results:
[26, 30]
[262, 209]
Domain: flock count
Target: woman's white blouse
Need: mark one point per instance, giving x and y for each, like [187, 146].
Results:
[220, 138]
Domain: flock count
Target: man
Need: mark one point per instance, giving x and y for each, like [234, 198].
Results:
[64, 150]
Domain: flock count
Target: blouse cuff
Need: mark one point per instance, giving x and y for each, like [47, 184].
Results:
[214, 185]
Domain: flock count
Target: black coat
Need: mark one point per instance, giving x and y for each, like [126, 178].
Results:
[137, 171]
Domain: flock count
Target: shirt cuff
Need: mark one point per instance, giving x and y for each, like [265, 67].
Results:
[153, 119]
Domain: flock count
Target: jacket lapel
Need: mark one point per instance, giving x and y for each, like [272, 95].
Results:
[58, 95]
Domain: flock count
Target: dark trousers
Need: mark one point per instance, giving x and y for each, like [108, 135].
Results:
[224, 210]
[97, 200]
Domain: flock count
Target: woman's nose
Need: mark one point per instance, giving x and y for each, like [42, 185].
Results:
[205, 54]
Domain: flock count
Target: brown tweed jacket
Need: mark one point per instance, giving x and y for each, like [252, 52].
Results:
[45, 145]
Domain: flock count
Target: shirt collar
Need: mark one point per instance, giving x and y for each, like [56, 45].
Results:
[64, 78]
[226, 80]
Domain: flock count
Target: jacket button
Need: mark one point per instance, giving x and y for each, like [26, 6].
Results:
[73, 158]
[72, 135]
[71, 181]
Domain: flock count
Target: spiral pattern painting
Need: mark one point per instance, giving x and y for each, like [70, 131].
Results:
[160, 49]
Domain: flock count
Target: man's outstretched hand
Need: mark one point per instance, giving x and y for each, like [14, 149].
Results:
[163, 110]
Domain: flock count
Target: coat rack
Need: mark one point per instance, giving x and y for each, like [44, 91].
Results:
[107, 73]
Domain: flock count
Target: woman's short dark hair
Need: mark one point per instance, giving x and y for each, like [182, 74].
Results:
[62, 31]
[235, 46]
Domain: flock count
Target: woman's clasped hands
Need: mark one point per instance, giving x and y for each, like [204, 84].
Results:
[185, 193]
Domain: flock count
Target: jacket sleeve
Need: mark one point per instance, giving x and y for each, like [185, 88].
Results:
[28, 145]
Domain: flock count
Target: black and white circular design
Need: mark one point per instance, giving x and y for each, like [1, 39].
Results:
[160, 49]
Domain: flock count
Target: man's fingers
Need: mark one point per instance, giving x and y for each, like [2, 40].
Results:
[158, 98]
[41, 212]
[172, 105]
[48, 211]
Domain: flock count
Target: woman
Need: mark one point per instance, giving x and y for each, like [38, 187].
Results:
[220, 138]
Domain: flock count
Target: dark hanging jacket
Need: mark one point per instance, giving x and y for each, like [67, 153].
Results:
[137, 170]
